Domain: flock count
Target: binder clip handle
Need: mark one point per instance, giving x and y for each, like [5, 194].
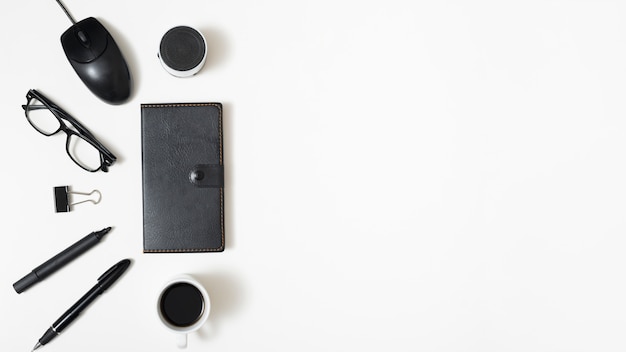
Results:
[62, 198]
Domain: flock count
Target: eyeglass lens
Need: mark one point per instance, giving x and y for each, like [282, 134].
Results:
[41, 118]
[82, 152]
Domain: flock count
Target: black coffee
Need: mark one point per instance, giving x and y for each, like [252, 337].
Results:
[182, 304]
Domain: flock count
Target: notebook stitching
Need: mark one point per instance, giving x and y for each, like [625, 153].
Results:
[179, 105]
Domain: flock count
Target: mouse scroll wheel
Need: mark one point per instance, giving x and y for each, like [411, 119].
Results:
[83, 38]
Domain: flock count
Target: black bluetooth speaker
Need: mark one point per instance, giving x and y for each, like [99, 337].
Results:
[182, 51]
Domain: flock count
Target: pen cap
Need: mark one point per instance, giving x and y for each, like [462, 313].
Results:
[25, 282]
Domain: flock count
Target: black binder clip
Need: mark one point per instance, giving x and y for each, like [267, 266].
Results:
[62, 198]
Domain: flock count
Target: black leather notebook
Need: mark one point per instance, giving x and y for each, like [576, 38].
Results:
[183, 177]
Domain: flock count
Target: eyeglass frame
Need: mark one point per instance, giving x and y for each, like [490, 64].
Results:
[106, 157]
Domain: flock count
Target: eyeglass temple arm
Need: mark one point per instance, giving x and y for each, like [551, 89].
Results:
[82, 129]
[34, 107]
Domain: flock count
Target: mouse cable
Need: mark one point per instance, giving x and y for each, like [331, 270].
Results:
[66, 12]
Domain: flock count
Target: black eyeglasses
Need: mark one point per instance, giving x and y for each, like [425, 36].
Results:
[81, 146]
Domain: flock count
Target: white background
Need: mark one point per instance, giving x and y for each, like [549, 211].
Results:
[401, 176]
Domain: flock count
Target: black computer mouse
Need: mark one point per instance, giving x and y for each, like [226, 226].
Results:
[97, 60]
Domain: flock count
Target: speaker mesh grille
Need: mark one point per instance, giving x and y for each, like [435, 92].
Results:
[182, 48]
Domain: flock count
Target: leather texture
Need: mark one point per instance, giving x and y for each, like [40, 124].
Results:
[183, 177]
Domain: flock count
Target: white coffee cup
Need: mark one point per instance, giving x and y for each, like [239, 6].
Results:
[183, 306]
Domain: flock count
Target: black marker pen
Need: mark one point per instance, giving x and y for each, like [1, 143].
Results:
[59, 260]
[104, 282]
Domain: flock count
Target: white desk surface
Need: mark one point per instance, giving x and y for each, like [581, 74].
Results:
[400, 176]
